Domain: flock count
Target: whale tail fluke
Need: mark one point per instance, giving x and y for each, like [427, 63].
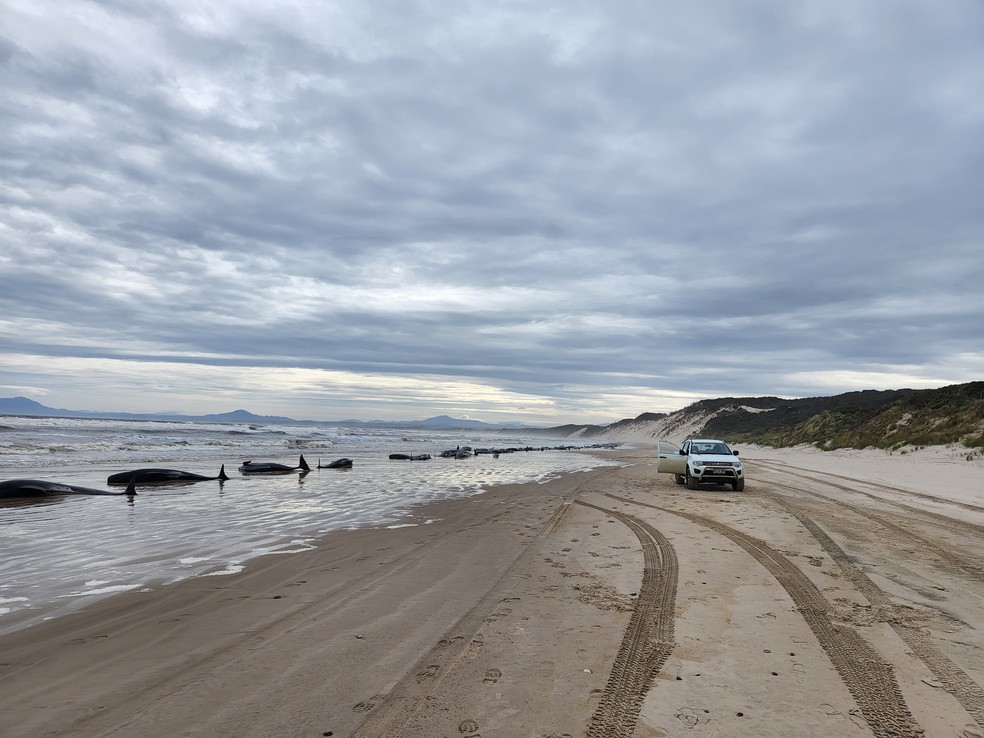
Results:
[303, 464]
[222, 475]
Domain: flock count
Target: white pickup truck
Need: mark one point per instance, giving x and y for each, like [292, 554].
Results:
[701, 461]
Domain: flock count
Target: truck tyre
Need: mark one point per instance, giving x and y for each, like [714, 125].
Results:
[678, 478]
[692, 482]
[738, 486]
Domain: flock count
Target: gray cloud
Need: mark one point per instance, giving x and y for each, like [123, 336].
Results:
[572, 211]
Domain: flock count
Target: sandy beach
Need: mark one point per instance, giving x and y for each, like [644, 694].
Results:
[840, 595]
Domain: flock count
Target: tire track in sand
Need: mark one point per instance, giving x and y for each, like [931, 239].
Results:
[648, 639]
[941, 550]
[966, 525]
[870, 680]
[965, 690]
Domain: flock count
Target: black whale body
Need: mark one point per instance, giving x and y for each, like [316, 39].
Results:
[269, 467]
[42, 488]
[162, 475]
[337, 464]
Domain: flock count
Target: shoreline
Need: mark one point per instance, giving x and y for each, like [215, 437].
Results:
[511, 614]
[384, 594]
[66, 552]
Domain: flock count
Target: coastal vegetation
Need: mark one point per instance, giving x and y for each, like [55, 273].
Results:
[885, 419]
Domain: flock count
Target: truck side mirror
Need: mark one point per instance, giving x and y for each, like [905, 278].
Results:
[735, 453]
[682, 452]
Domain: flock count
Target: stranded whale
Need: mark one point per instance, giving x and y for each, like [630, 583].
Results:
[42, 488]
[336, 464]
[269, 467]
[162, 475]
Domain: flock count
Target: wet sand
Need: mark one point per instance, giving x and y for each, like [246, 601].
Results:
[838, 595]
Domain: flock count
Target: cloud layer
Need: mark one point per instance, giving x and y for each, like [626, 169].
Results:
[531, 210]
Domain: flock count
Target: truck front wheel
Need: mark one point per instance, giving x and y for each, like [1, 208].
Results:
[738, 486]
[692, 482]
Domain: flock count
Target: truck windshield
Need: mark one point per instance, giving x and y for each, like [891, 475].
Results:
[710, 448]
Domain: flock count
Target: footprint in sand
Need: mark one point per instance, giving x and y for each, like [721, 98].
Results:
[687, 716]
[429, 673]
[369, 704]
[492, 676]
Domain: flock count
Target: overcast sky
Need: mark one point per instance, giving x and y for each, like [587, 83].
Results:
[551, 212]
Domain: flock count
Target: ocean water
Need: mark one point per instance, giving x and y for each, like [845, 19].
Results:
[61, 553]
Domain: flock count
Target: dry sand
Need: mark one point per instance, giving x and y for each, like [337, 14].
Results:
[840, 595]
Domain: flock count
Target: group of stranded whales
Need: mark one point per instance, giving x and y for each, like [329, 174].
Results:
[15, 488]
[269, 467]
[464, 452]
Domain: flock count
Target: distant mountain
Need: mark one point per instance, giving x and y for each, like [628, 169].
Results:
[26, 406]
[243, 416]
[446, 421]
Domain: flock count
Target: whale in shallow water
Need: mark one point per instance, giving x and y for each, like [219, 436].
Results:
[336, 464]
[162, 475]
[269, 467]
[42, 488]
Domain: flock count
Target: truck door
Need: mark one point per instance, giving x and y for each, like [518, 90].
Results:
[671, 461]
